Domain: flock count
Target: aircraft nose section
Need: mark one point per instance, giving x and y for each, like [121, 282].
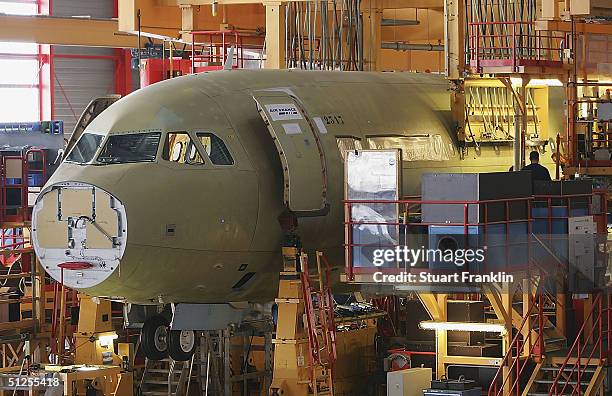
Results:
[79, 233]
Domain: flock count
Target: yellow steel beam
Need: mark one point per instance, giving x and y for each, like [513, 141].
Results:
[147, 16]
[581, 27]
[157, 18]
[454, 19]
[372, 30]
[532, 378]
[399, 4]
[275, 36]
[430, 303]
[497, 303]
[472, 361]
[65, 31]
[423, 4]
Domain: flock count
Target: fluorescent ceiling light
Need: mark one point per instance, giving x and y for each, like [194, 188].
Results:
[463, 326]
[537, 82]
[545, 82]
[87, 368]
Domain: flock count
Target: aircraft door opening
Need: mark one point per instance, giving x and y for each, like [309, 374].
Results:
[301, 152]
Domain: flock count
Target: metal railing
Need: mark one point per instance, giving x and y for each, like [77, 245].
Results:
[215, 46]
[512, 360]
[488, 225]
[20, 213]
[514, 44]
[319, 310]
[412, 206]
[585, 341]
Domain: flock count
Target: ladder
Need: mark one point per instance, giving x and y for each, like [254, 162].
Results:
[304, 343]
[165, 377]
[210, 354]
[319, 310]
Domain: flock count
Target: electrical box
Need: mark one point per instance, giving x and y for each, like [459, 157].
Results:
[475, 187]
[409, 382]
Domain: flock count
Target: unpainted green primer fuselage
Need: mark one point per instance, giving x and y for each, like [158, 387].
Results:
[226, 217]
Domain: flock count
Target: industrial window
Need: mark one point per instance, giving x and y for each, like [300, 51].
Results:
[215, 148]
[84, 151]
[132, 147]
[18, 8]
[416, 147]
[347, 143]
[179, 148]
[19, 104]
[21, 68]
[19, 88]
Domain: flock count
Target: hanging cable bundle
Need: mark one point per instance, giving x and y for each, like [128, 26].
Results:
[319, 39]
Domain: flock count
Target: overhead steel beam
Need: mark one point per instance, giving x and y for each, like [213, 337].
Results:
[431, 4]
[581, 27]
[86, 32]
[411, 47]
[156, 17]
[399, 22]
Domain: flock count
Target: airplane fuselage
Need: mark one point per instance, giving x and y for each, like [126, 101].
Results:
[209, 232]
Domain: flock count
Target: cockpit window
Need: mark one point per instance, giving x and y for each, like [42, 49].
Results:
[133, 147]
[215, 148]
[85, 149]
[179, 148]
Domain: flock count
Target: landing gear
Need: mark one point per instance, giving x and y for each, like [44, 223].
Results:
[159, 342]
[154, 337]
[181, 344]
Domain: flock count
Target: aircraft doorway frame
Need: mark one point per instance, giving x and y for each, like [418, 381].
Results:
[304, 191]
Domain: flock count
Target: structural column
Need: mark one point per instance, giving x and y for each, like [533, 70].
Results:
[275, 35]
[372, 20]
[454, 36]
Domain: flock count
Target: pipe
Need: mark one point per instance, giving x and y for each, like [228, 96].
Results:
[399, 22]
[399, 46]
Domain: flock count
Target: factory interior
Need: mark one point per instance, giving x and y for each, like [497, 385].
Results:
[344, 197]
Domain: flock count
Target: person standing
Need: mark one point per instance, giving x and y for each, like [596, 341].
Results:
[538, 172]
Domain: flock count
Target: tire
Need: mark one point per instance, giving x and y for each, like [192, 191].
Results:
[154, 339]
[181, 344]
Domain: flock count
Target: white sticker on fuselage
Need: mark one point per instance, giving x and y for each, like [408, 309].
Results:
[283, 112]
[320, 124]
[292, 129]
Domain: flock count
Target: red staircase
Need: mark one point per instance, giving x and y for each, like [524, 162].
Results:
[321, 328]
[528, 342]
[588, 353]
[579, 371]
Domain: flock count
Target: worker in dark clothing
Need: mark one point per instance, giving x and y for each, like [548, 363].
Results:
[538, 172]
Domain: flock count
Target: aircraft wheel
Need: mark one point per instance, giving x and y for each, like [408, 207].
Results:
[181, 344]
[154, 335]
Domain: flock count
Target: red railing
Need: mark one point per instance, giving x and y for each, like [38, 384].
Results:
[21, 211]
[408, 207]
[215, 48]
[513, 357]
[573, 202]
[579, 349]
[319, 311]
[514, 44]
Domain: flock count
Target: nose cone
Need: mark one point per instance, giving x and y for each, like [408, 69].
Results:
[79, 233]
